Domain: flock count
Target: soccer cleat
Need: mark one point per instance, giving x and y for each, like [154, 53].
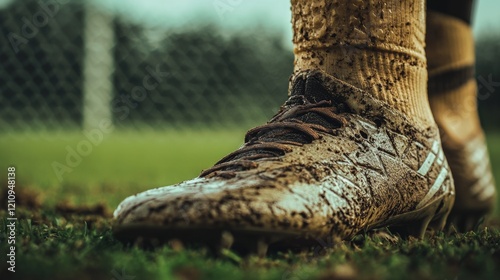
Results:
[475, 185]
[332, 163]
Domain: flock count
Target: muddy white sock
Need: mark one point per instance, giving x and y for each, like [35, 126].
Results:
[452, 87]
[375, 45]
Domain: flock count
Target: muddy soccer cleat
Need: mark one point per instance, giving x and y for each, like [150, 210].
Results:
[475, 186]
[332, 163]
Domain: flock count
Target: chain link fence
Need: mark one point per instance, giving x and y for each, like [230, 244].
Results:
[67, 65]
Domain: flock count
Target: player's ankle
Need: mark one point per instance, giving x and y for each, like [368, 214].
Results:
[388, 65]
[396, 79]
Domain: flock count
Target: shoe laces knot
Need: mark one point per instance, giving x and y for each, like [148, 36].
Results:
[298, 122]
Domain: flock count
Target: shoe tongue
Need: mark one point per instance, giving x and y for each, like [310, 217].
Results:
[311, 87]
[303, 87]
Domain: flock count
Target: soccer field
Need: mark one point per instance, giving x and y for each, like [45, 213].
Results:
[119, 165]
[67, 186]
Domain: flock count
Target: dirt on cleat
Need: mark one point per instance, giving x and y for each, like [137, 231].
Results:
[332, 163]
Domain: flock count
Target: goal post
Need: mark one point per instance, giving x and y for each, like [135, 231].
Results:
[98, 66]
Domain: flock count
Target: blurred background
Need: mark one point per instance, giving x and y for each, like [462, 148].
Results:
[101, 99]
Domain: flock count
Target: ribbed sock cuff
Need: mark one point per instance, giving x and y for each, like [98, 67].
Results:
[395, 78]
[377, 46]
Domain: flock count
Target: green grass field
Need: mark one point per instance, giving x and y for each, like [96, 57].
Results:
[64, 226]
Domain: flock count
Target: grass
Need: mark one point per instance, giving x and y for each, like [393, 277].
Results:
[64, 227]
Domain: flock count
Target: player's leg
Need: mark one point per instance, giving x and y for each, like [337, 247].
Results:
[453, 95]
[376, 46]
[354, 148]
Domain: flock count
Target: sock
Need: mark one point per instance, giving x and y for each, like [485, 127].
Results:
[375, 45]
[452, 87]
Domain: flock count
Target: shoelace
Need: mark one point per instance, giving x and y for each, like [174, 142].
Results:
[287, 121]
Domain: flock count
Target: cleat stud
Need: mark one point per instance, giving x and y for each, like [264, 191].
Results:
[439, 224]
[442, 215]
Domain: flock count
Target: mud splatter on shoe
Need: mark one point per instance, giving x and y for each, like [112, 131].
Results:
[332, 163]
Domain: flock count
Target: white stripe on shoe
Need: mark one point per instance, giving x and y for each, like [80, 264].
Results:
[426, 166]
[435, 187]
